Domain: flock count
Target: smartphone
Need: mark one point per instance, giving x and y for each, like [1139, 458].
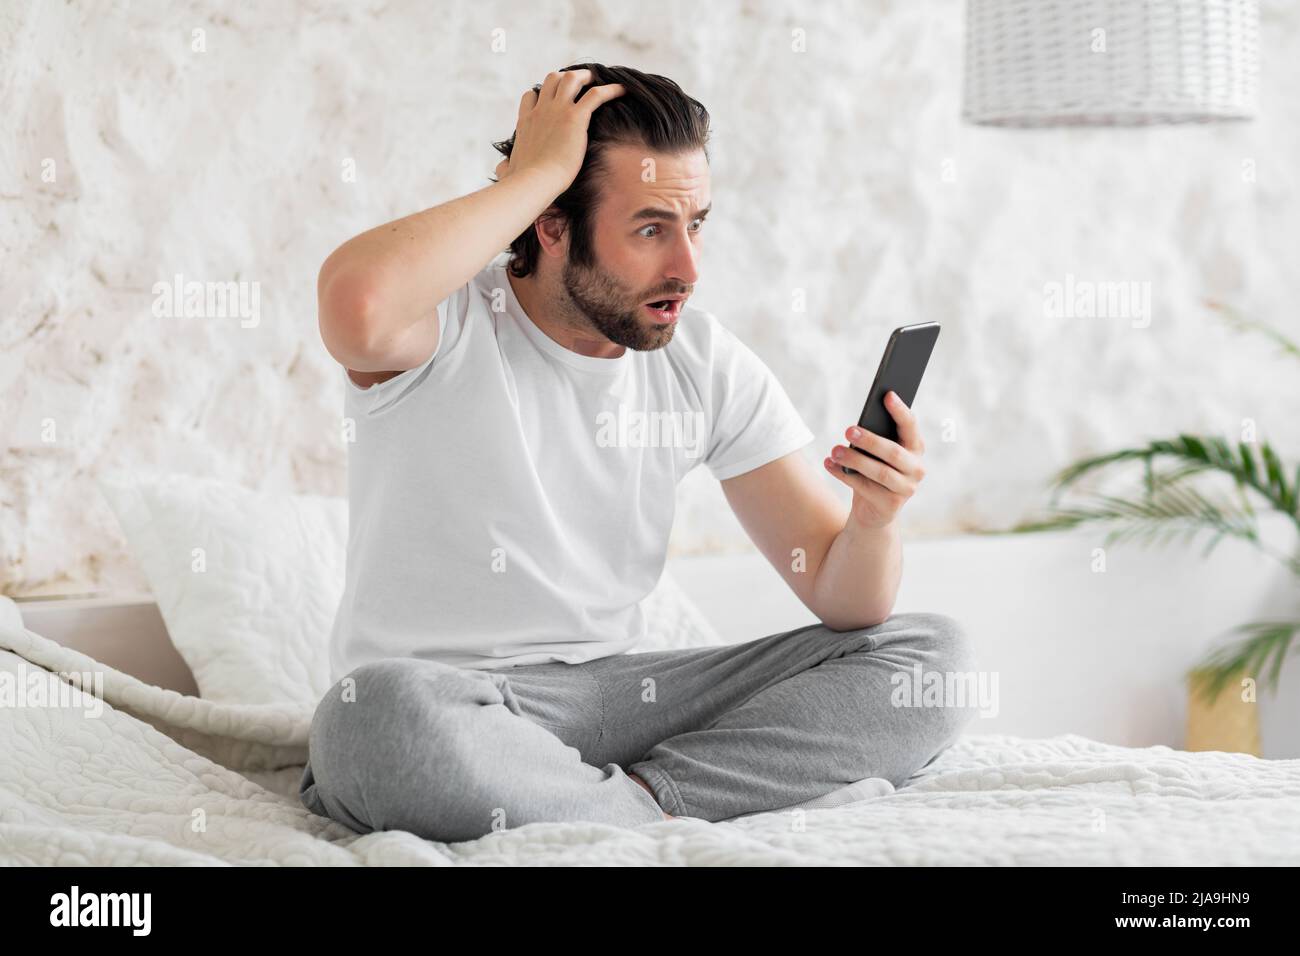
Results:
[901, 368]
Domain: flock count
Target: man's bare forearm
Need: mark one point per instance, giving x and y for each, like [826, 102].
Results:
[376, 288]
[858, 579]
[382, 281]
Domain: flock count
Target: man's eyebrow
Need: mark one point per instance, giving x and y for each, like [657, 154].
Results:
[654, 212]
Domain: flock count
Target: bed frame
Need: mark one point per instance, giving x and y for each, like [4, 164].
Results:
[126, 632]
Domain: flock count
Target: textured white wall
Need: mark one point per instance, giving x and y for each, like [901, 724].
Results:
[843, 171]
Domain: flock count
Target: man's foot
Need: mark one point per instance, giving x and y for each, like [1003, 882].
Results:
[667, 815]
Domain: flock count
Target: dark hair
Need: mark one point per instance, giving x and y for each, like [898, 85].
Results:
[653, 112]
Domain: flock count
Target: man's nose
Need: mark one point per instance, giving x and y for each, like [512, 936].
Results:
[684, 265]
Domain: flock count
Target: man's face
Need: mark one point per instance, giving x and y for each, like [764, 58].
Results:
[646, 240]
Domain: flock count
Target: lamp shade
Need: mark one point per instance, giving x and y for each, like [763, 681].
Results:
[1110, 62]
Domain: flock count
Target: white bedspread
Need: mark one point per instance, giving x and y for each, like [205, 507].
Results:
[161, 778]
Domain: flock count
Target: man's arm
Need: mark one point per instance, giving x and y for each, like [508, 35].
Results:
[378, 293]
[847, 576]
[845, 565]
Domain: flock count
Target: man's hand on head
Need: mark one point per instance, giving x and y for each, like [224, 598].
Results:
[551, 131]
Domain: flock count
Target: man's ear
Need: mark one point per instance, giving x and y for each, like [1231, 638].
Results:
[552, 232]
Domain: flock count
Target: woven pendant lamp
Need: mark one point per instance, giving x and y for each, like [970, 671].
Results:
[1110, 62]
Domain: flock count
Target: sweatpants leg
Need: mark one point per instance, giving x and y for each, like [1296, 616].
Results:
[449, 754]
[726, 731]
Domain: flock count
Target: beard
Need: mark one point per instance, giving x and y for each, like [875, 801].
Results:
[599, 300]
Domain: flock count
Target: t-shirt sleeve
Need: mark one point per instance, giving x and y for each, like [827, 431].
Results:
[754, 421]
[367, 401]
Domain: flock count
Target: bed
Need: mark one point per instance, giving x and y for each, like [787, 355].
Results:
[160, 776]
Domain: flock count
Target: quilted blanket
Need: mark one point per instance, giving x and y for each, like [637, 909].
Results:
[156, 777]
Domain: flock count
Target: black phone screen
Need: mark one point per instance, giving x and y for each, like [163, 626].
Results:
[901, 368]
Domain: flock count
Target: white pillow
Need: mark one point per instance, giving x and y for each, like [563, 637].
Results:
[254, 624]
[247, 582]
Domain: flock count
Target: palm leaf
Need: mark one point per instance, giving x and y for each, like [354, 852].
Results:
[1169, 508]
[1170, 513]
[1263, 651]
[1194, 455]
[1247, 461]
[1240, 323]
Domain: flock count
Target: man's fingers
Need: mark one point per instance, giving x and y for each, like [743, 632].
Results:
[902, 459]
[548, 85]
[527, 102]
[571, 81]
[880, 446]
[877, 471]
[908, 432]
[601, 94]
[858, 482]
[566, 83]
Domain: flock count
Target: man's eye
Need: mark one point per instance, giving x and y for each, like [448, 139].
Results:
[654, 226]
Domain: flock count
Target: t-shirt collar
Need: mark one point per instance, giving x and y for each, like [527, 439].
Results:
[589, 363]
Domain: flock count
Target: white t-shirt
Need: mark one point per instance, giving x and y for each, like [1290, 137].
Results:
[511, 500]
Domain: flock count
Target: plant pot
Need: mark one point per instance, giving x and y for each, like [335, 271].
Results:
[1229, 723]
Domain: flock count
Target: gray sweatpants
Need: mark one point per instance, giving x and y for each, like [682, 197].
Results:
[452, 753]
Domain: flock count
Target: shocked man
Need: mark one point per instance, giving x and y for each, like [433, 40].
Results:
[501, 543]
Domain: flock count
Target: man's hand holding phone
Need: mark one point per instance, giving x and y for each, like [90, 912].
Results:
[885, 482]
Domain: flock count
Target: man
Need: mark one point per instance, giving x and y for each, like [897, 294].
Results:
[504, 528]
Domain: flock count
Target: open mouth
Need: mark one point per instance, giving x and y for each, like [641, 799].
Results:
[665, 310]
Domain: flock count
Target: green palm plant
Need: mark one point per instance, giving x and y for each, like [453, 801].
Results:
[1168, 507]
